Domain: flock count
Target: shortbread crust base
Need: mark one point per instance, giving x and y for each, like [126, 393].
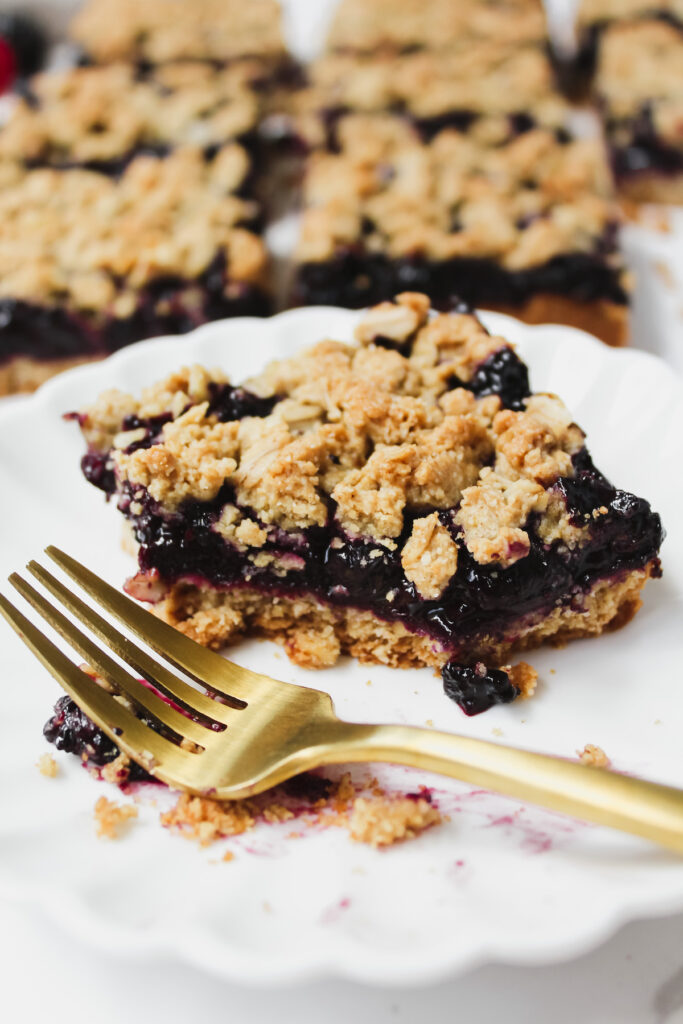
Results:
[314, 635]
[608, 321]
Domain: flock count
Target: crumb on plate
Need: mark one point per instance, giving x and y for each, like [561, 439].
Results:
[593, 756]
[47, 766]
[110, 817]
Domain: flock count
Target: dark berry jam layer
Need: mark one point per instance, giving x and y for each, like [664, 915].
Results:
[72, 731]
[355, 279]
[459, 120]
[480, 600]
[646, 152]
[476, 688]
[167, 306]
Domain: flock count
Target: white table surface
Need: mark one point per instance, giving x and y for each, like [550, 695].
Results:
[46, 976]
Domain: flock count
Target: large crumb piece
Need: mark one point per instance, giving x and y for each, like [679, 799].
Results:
[206, 820]
[382, 821]
[110, 817]
[524, 676]
[47, 766]
[593, 756]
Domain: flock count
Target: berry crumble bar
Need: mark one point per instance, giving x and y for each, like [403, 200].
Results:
[158, 31]
[403, 25]
[639, 87]
[102, 117]
[595, 16]
[407, 500]
[90, 263]
[526, 225]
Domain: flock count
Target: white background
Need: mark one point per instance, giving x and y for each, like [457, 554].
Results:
[636, 978]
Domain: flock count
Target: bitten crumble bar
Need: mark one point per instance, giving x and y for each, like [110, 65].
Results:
[522, 222]
[90, 263]
[406, 500]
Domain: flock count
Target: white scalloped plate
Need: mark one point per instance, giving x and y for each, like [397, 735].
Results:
[499, 882]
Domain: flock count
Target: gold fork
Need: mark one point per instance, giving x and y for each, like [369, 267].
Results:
[259, 732]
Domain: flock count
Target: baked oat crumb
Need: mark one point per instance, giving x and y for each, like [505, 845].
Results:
[593, 756]
[47, 766]
[116, 771]
[206, 820]
[382, 822]
[524, 677]
[111, 817]
[228, 856]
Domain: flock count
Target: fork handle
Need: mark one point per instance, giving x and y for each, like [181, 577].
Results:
[595, 794]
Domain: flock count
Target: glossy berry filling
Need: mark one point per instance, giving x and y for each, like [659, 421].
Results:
[354, 279]
[167, 306]
[476, 688]
[646, 152]
[479, 601]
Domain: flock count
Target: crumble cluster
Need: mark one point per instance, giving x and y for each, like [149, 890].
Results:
[112, 817]
[601, 12]
[407, 24]
[593, 756]
[158, 31]
[489, 79]
[520, 202]
[90, 242]
[376, 431]
[378, 819]
[99, 114]
[641, 69]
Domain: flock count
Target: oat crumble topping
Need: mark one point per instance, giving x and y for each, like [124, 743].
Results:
[592, 12]
[82, 239]
[521, 203]
[96, 114]
[376, 431]
[492, 79]
[166, 30]
[401, 24]
[640, 67]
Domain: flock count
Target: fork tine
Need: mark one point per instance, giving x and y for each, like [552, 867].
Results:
[200, 663]
[111, 671]
[176, 689]
[141, 743]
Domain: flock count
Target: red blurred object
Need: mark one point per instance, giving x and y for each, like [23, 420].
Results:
[8, 65]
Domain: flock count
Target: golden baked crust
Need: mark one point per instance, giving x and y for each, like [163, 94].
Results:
[87, 242]
[98, 114]
[157, 31]
[403, 24]
[608, 321]
[520, 202]
[315, 635]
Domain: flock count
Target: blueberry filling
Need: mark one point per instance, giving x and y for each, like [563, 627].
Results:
[480, 600]
[476, 688]
[503, 374]
[645, 151]
[166, 306]
[72, 731]
[354, 279]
